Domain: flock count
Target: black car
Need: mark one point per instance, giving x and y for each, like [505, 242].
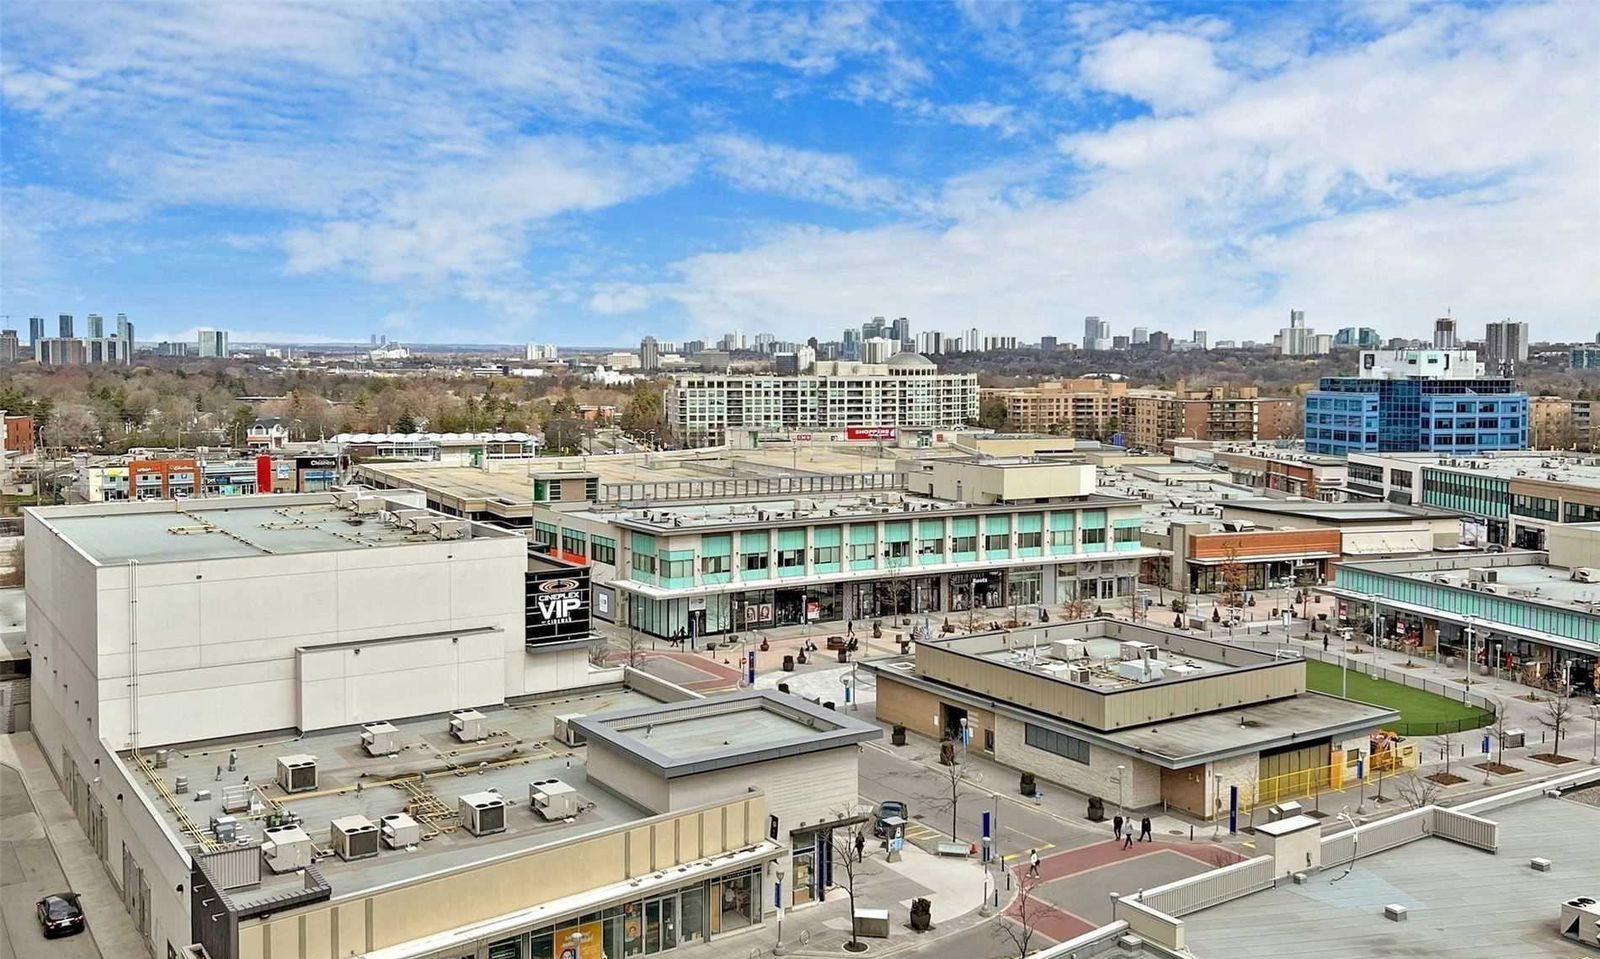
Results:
[888, 809]
[60, 915]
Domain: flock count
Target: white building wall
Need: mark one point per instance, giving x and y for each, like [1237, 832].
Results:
[1238, 771]
[1141, 780]
[216, 640]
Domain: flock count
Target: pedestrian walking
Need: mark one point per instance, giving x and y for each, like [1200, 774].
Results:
[849, 627]
[1116, 827]
[861, 845]
[1033, 863]
[1324, 644]
[1144, 830]
[1127, 839]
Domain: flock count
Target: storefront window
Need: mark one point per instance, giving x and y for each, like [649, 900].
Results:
[692, 927]
[736, 902]
[507, 949]
[1026, 586]
[804, 876]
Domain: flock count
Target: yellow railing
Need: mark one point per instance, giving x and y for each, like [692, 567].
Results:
[1331, 778]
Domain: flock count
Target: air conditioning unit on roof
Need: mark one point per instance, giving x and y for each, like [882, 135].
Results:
[380, 739]
[469, 725]
[399, 830]
[286, 848]
[354, 837]
[482, 813]
[297, 774]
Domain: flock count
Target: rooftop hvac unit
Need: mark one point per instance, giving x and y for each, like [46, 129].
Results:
[449, 529]
[297, 774]
[1069, 649]
[410, 517]
[468, 725]
[483, 813]
[1584, 574]
[566, 732]
[1133, 649]
[286, 848]
[225, 828]
[399, 830]
[380, 739]
[1079, 674]
[367, 505]
[1580, 920]
[1184, 669]
[354, 837]
[553, 799]
[1141, 670]
[1483, 575]
[344, 498]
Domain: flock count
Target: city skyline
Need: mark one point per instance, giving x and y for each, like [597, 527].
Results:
[680, 171]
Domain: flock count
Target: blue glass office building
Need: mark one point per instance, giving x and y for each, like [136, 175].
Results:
[1415, 415]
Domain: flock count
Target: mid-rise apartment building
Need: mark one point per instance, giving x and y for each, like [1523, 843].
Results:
[1416, 400]
[1100, 408]
[907, 391]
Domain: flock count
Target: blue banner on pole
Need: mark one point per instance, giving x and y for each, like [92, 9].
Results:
[1233, 810]
[987, 834]
[750, 667]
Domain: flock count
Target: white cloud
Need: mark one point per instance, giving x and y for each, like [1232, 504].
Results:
[833, 178]
[1451, 162]
[1170, 71]
[621, 298]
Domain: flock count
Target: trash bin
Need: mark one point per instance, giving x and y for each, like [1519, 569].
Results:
[788, 664]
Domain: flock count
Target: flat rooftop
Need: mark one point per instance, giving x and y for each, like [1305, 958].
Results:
[1583, 470]
[1519, 575]
[680, 739]
[1251, 728]
[520, 750]
[1104, 657]
[1462, 903]
[168, 531]
[1353, 512]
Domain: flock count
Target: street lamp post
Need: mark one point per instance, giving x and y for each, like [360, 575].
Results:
[1471, 632]
[1344, 662]
[1120, 769]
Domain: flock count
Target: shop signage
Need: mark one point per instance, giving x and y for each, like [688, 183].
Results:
[870, 433]
[557, 606]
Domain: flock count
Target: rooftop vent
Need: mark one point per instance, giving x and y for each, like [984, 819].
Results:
[469, 725]
[399, 830]
[286, 848]
[380, 739]
[553, 799]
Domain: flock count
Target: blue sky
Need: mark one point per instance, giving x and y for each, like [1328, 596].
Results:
[588, 173]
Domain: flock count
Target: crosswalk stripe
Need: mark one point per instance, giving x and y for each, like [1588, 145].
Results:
[1022, 855]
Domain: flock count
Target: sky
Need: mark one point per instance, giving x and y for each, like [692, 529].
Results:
[587, 173]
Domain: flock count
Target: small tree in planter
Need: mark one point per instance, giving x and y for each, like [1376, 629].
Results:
[1029, 785]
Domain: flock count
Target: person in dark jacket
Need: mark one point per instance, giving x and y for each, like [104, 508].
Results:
[1144, 830]
[1116, 827]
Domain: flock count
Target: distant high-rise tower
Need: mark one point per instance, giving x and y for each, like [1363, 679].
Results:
[1505, 343]
[125, 331]
[1096, 333]
[1141, 336]
[1444, 333]
[649, 354]
[97, 326]
[65, 322]
[213, 343]
[10, 346]
[1198, 338]
[35, 330]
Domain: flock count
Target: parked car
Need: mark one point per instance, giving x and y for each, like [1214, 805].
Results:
[887, 809]
[60, 915]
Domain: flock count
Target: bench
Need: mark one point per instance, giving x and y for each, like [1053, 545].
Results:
[948, 848]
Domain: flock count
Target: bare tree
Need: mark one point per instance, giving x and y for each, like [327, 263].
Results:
[1499, 727]
[1076, 608]
[842, 844]
[1231, 574]
[633, 646]
[1446, 742]
[956, 774]
[1556, 715]
[1023, 916]
[1417, 791]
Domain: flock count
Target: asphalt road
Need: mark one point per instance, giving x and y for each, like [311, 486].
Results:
[29, 870]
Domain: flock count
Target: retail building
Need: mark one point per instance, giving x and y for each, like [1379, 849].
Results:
[1129, 714]
[958, 539]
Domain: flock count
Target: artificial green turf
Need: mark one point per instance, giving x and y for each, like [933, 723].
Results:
[1415, 705]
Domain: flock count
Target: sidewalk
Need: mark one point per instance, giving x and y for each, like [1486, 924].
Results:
[109, 922]
[954, 889]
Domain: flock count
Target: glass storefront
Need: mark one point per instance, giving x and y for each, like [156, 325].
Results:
[984, 590]
[645, 927]
[900, 596]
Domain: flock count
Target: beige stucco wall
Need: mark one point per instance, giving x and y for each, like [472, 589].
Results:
[389, 916]
[1141, 784]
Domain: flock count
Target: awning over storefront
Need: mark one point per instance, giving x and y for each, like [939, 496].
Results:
[1274, 558]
